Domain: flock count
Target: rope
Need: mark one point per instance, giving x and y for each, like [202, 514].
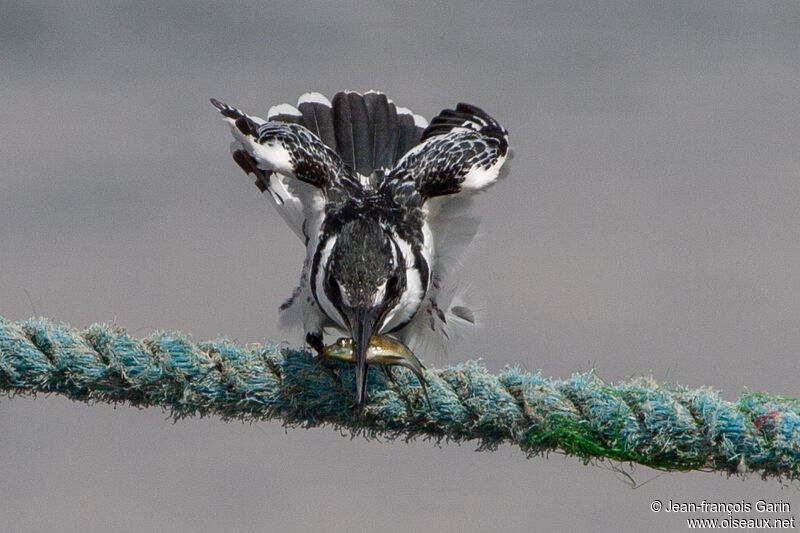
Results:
[664, 427]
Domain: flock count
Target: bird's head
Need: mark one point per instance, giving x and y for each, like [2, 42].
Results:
[364, 280]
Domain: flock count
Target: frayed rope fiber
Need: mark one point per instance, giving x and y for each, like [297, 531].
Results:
[668, 428]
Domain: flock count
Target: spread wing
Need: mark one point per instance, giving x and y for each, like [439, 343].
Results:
[461, 150]
[287, 160]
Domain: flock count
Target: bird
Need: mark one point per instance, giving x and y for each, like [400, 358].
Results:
[372, 190]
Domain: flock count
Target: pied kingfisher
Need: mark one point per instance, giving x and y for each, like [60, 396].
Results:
[362, 182]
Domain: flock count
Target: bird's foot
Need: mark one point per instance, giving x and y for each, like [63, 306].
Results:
[314, 339]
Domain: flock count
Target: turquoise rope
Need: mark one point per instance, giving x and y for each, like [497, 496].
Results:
[669, 428]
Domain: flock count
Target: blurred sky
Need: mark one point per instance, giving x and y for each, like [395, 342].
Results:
[650, 224]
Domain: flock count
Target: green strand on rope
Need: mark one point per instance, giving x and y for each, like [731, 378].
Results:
[669, 428]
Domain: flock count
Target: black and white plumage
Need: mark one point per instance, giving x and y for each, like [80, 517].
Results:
[363, 182]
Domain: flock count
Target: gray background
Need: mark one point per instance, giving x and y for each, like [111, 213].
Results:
[649, 224]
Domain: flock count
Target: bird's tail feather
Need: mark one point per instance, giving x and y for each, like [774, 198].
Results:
[368, 131]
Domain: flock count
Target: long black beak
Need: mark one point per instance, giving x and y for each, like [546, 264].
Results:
[362, 333]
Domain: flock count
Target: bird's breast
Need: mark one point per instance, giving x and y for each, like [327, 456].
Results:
[416, 285]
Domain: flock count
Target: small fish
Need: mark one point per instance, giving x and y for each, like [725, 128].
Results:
[382, 350]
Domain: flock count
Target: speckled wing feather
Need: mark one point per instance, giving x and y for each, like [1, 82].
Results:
[282, 150]
[290, 149]
[461, 150]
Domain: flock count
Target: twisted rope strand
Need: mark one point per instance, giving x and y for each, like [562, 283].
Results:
[669, 428]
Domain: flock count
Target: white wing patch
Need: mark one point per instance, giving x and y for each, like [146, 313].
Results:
[296, 202]
[478, 178]
[288, 201]
[269, 158]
